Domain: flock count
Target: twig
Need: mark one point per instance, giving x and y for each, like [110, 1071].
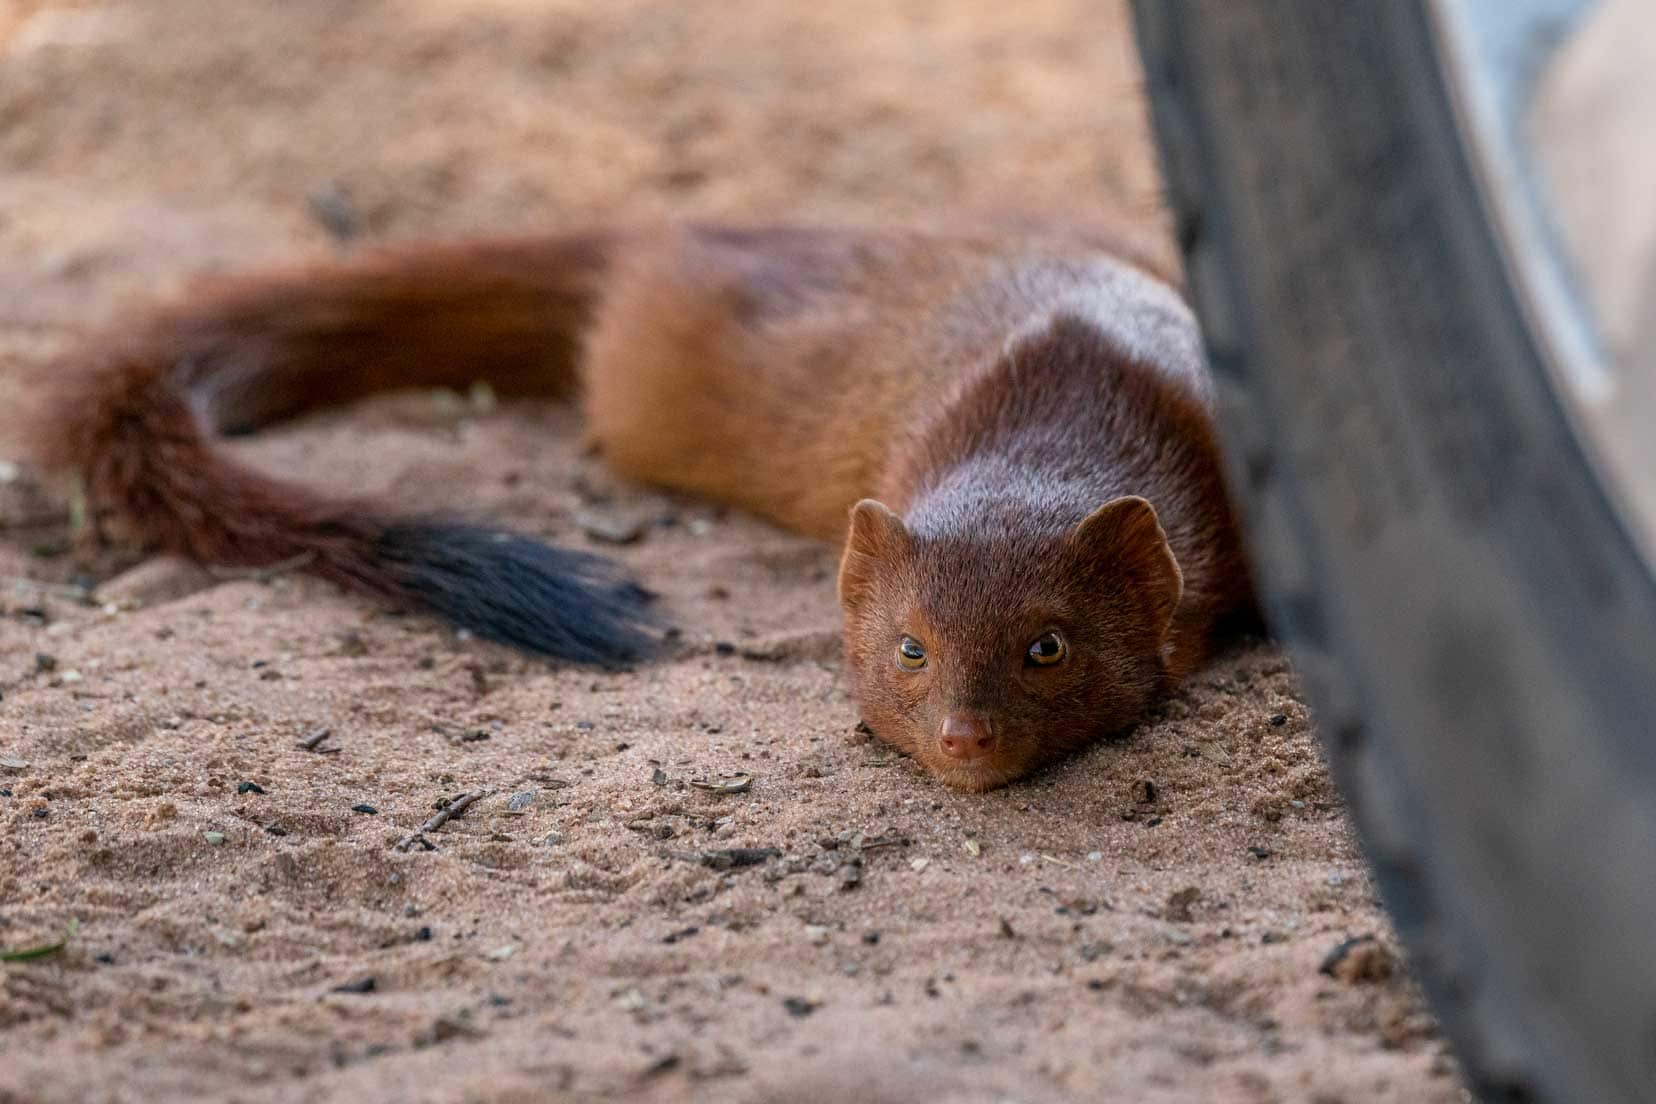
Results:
[260, 574]
[314, 740]
[443, 816]
[60, 590]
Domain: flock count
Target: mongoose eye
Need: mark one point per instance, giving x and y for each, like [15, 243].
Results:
[911, 654]
[1046, 651]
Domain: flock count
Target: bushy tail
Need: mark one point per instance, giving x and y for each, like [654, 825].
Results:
[137, 417]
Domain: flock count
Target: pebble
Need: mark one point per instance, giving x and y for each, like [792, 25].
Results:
[331, 206]
[611, 528]
[361, 985]
[368, 809]
[1179, 904]
[1361, 959]
[249, 788]
[216, 839]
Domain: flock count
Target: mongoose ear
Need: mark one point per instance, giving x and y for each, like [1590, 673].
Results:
[1124, 538]
[878, 539]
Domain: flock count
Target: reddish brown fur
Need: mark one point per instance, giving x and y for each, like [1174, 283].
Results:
[981, 383]
[135, 416]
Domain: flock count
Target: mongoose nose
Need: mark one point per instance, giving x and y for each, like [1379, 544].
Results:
[966, 737]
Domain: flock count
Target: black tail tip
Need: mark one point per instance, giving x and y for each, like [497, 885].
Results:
[548, 601]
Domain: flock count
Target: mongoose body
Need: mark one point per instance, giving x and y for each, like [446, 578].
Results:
[1008, 430]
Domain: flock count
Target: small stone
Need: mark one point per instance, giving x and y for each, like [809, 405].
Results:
[351, 644]
[249, 788]
[1144, 792]
[1278, 720]
[331, 206]
[1095, 856]
[45, 661]
[1179, 903]
[611, 528]
[800, 1007]
[15, 764]
[520, 801]
[1361, 959]
[216, 839]
[366, 809]
[361, 985]
[918, 865]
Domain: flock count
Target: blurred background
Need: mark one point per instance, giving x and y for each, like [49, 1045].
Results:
[141, 140]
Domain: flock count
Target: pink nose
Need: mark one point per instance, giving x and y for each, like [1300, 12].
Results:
[966, 737]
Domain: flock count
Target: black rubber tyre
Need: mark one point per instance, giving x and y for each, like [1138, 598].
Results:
[1476, 629]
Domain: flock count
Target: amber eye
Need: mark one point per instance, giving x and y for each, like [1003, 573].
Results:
[911, 654]
[1046, 651]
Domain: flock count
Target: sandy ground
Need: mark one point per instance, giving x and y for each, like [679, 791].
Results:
[1145, 923]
